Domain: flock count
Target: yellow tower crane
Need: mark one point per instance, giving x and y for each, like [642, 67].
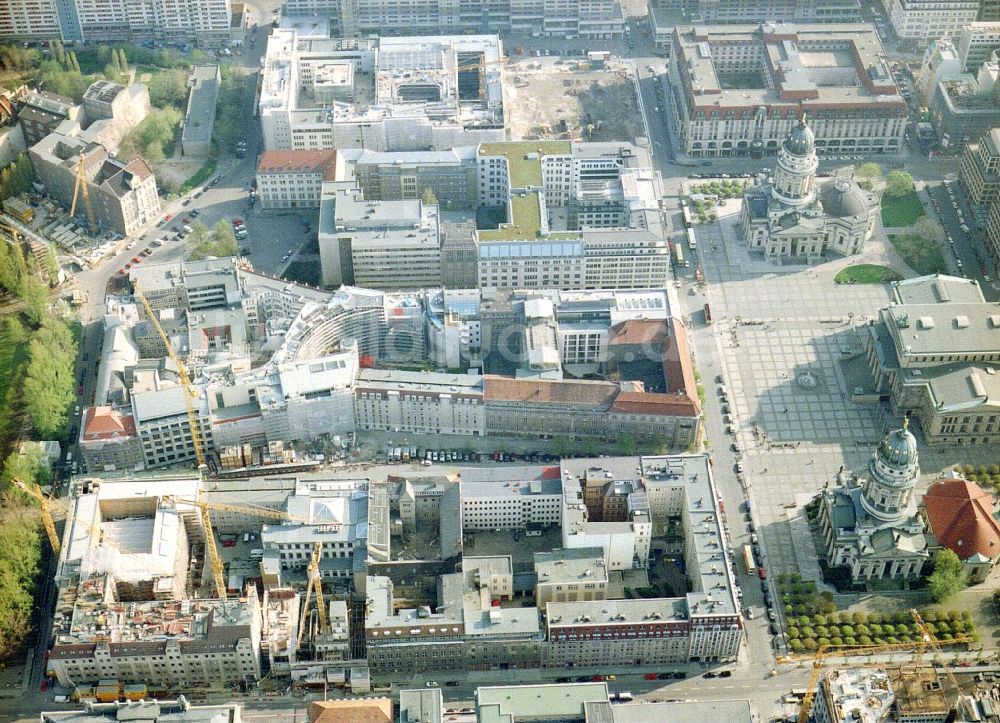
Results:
[81, 188]
[315, 585]
[189, 391]
[822, 654]
[211, 547]
[930, 639]
[47, 521]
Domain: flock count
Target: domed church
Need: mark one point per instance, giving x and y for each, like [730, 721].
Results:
[791, 217]
[870, 523]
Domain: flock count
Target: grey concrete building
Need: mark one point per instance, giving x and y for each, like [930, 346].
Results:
[980, 172]
[199, 119]
[42, 113]
[976, 43]
[964, 108]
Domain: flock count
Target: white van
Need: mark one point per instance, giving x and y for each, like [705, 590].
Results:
[257, 554]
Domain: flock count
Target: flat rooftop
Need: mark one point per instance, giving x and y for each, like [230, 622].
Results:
[200, 116]
[800, 61]
[504, 704]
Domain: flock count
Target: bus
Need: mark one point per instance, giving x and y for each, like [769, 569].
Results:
[688, 220]
[748, 563]
[679, 256]
[692, 242]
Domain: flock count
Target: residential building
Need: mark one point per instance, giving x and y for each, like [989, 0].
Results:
[294, 179]
[965, 107]
[201, 642]
[870, 524]
[199, 118]
[861, 112]
[109, 441]
[465, 631]
[934, 352]
[569, 576]
[980, 172]
[592, 20]
[796, 11]
[790, 217]
[514, 504]
[123, 195]
[113, 111]
[941, 60]
[378, 244]
[960, 517]
[921, 20]
[976, 43]
[992, 238]
[161, 710]
[405, 97]
[204, 22]
[43, 112]
[419, 402]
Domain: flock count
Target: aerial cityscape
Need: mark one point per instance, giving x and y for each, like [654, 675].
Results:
[600, 361]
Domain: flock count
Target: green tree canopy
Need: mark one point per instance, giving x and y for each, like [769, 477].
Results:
[48, 384]
[898, 183]
[948, 577]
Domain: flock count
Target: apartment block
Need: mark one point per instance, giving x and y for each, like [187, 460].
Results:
[976, 43]
[936, 353]
[378, 244]
[294, 179]
[203, 22]
[419, 402]
[965, 107]
[109, 441]
[570, 576]
[861, 112]
[794, 11]
[489, 504]
[980, 172]
[123, 195]
[575, 19]
[43, 112]
[925, 20]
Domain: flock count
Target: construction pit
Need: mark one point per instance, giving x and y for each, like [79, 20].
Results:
[571, 101]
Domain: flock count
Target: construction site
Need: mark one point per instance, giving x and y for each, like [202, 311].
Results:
[572, 101]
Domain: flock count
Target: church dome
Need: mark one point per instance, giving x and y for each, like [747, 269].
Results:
[800, 139]
[842, 198]
[898, 449]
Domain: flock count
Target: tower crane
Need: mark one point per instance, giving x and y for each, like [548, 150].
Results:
[315, 584]
[211, 547]
[930, 639]
[927, 638]
[47, 521]
[189, 391]
[81, 188]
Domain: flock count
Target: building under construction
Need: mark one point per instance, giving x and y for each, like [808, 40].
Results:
[122, 196]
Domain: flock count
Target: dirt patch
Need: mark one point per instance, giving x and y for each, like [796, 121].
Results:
[565, 103]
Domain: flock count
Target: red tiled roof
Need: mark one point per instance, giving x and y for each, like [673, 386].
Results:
[324, 161]
[667, 405]
[678, 369]
[639, 331]
[961, 516]
[107, 423]
[594, 394]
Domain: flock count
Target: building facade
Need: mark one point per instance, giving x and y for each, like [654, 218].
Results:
[294, 179]
[933, 356]
[861, 112]
[791, 217]
[976, 43]
[980, 172]
[419, 403]
[925, 20]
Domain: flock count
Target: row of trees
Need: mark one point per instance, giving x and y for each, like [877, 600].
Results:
[16, 177]
[220, 241]
[19, 278]
[48, 384]
[20, 549]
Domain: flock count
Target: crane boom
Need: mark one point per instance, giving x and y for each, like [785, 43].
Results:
[214, 561]
[47, 521]
[324, 618]
[199, 452]
[81, 188]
